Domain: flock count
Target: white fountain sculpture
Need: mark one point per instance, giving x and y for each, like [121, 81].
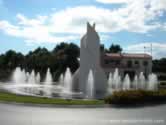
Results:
[90, 86]
[90, 59]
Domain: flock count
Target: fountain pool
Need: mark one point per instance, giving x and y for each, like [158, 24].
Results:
[25, 83]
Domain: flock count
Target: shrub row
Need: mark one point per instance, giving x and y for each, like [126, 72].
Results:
[136, 97]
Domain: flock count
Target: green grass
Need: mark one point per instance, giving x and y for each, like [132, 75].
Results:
[137, 97]
[42, 100]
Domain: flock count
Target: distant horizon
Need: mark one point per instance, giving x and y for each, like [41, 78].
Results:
[134, 25]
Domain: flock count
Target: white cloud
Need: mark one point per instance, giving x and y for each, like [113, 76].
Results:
[34, 33]
[105, 37]
[9, 28]
[158, 49]
[136, 16]
[31, 22]
[112, 1]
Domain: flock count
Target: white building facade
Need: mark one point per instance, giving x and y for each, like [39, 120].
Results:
[127, 63]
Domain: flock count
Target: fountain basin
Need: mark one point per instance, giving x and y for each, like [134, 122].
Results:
[39, 90]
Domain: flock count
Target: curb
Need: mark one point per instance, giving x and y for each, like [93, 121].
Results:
[55, 105]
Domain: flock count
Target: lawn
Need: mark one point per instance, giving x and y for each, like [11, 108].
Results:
[8, 97]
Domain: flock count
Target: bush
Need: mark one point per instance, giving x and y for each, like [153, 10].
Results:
[136, 97]
[163, 83]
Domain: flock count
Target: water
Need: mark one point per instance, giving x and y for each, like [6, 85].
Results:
[26, 83]
[116, 79]
[142, 81]
[110, 84]
[90, 85]
[152, 82]
[48, 79]
[47, 83]
[135, 82]
[126, 83]
[30, 84]
[115, 83]
[18, 76]
[66, 84]
[68, 81]
[31, 78]
[61, 80]
[38, 78]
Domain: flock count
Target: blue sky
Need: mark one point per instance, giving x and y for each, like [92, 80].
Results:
[28, 24]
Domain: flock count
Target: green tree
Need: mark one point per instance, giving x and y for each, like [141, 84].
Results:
[65, 55]
[115, 48]
[11, 59]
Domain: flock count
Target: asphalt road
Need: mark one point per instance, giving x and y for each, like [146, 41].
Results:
[13, 114]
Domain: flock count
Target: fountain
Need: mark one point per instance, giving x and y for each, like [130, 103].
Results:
[89, 80]
[141, 81]
[30, 84]
[109, 90]
[126, 83]
[26, 83]
[116, 79]
[67, 84]
[115, 83]
[90, 86]
[48, 79]
[152, 82]
[18, 76]
[61, 80]
[47, 83]
[38, 78]
[135, 82]
[31, 78]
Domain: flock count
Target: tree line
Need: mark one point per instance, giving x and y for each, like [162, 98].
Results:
[62, 56]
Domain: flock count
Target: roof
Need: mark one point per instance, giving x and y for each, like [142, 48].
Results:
[128, 55]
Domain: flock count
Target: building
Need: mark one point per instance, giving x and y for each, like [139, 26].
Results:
[127, 63]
